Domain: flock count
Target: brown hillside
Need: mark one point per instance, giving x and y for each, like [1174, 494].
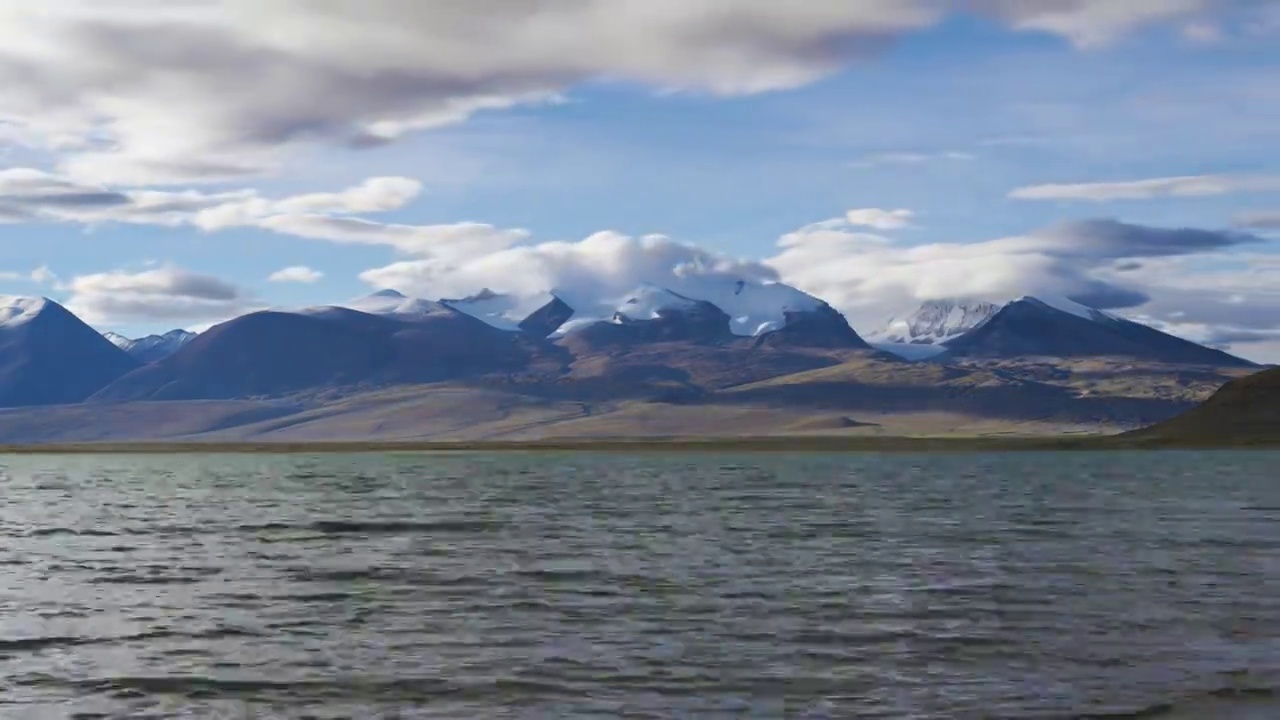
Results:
[1243, 412]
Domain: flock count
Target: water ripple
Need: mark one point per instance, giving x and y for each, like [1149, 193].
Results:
[1027, 587]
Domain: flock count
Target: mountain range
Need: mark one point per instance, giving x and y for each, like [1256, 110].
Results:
[655, 361]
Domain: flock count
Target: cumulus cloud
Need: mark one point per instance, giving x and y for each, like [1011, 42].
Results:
[1104, 263]
[162, 294]
[150, 92]
[880, 219]
[1185, 186]
[865, 274]
[601, 267]
[296, 274]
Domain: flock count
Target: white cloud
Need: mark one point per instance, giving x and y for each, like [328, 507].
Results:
[1184, 186]
[135, 93]
[296, 274]
[377, 194]
[880, 219]
[41, 276]
[29, 195]
[440, 240]
[162, 294]
[1089, 23]
[909, 158]
[869, 277]
[602, 266]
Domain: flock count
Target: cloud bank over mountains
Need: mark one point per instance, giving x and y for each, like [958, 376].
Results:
[868, 276]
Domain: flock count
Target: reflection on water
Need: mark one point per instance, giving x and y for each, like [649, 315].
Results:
[544, 585]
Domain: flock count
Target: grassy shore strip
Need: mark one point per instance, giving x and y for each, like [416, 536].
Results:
[670, 445]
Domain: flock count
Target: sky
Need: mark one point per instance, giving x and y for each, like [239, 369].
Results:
[176, 163]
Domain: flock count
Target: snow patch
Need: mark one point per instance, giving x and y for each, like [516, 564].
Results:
[500, 310]
[936, 322]
[754, 307]
[16, 310]
[390, 302]
[1065, 305]
[118, 340]
[647, 302]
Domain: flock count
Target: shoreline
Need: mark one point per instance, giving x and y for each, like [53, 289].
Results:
[902, 444]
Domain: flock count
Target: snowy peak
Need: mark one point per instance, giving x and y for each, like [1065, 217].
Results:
[16, 310]
[532, 314]
[937, 321]
[152, 347]
[1056, 327]
[51, 357]
[756, 308]
[537, 315]
[1062, 304]
[392, 302]
[650, 302]
[746, 308]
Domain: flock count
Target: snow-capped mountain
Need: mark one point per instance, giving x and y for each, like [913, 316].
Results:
[49, 356]
[649, 302]
[391, 302]
[1058, 327]
[936, 322]
[539, 314]
[753, 309]
[651, 314]
[152, 347]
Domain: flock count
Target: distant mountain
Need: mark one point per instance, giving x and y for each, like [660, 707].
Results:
[772, 313]
[152, 347]
[936, 322]
[1035, 327]
[48, 356]
[651, 314]
[538, 315]
[1244, 412]
[267, 354]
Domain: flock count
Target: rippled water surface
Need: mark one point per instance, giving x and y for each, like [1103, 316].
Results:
[601, 586]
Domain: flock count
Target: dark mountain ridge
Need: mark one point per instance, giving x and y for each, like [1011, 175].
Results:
[48, 356]
[1033, 328]
[270, 353]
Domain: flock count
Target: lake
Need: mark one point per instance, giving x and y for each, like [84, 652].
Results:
[544, 585]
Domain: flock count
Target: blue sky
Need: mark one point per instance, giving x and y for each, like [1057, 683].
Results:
[777, 123]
